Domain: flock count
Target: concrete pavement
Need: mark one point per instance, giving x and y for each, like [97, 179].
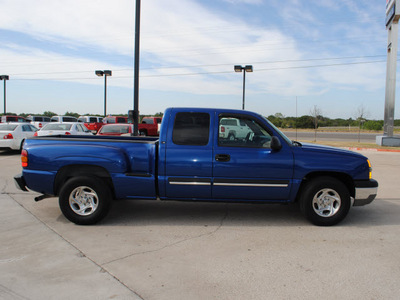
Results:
[38, 263]
[171, 250]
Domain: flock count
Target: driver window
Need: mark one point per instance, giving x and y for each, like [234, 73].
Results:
[242, 132]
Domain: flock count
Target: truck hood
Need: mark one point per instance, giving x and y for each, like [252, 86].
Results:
[327, 149]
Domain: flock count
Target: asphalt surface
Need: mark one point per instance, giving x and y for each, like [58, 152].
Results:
[332, 136]
[172, 250]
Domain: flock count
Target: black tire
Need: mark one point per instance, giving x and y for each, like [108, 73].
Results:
[85, 200]
[325, 201]
[231, 137]
[142, 133]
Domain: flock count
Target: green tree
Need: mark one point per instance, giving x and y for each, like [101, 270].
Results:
[72, 114]
[305, 122]
[49, 114]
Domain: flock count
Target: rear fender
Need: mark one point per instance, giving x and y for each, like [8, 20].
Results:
[67, 172]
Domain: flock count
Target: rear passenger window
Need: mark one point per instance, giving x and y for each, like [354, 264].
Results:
[191, 129]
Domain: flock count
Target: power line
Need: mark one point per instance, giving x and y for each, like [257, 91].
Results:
[203, 66]
[212, 73]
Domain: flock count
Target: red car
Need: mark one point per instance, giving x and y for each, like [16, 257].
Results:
[116, 129]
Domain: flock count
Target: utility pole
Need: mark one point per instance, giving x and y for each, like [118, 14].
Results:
[5, 78]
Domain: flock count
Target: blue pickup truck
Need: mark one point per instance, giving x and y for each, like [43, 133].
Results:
[193, 160]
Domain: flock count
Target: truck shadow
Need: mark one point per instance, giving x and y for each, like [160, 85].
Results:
[175, 213]
[202, 214]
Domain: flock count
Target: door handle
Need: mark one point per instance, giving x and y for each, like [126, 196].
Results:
[222, 157]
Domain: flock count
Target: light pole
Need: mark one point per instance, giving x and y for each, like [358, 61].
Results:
[136, 71]
[105, 73]
[5, 78]
[248, 68]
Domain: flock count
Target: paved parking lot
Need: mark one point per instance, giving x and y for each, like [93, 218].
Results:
[171, 250]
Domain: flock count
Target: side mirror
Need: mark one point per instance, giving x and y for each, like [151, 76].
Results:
[275, 144]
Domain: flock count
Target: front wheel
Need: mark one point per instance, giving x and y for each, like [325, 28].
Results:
[85, 200]
[325, 201]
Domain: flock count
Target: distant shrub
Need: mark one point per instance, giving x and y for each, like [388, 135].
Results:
[373, 125]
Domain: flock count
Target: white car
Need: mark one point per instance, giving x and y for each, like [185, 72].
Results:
[13, 135]
[64, 128]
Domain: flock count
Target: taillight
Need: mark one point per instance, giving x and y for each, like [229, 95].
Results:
[40, 125]
[8, 136]
[24, 158]
[68, 133]
[35, 134]
[222, 129]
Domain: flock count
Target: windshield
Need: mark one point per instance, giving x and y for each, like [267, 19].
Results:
[7, 127]
[53, 126]
[279, 132]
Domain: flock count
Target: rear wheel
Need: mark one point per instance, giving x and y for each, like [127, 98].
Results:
[325, 201]
[142, 133]
[85, 200]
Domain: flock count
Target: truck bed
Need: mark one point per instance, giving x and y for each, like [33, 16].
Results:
[129, 162]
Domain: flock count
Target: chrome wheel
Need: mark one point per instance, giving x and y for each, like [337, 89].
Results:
[326, 203]
[83, 201]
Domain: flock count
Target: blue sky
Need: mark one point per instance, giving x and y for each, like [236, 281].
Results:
[330, 54]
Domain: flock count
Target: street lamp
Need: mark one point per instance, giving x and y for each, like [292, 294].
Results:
[105, 73]
[245, 69]
[5, 78]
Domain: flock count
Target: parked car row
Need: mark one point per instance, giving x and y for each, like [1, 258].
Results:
[15, 129]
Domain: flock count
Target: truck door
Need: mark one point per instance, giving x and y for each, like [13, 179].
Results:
[188, 161]
[247, 168]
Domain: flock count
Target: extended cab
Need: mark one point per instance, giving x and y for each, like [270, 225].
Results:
[192, 161]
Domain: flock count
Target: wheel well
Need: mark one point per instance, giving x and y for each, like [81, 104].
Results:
[67, 172]
[344, 178]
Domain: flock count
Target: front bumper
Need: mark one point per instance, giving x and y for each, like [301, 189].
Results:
[365, 192]
[20, 182]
